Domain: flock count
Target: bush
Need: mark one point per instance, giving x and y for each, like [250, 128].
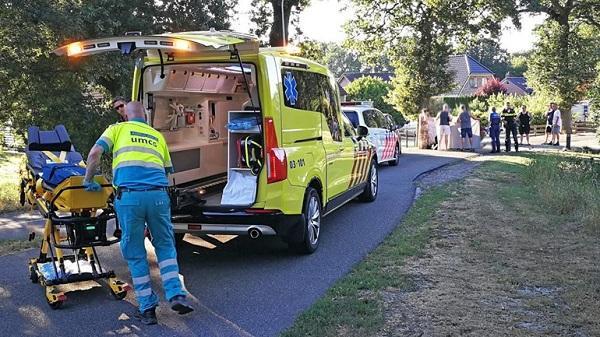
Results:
[491, 87]
[568, 185]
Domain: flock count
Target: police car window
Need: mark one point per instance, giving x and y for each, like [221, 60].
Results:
[370, 119]
[353, 117]
[310, 91]
[380, 119]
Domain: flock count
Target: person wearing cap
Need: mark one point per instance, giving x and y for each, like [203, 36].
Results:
[510, 126]
[141, 162]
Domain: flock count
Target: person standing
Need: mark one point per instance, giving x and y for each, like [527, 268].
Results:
[464, 118]
[141, 162]
[549, 118]
[524, 124]
[556, 124]
[118, 103]
[495, 120]
[443, 119]
[424, 129]
[510, 126]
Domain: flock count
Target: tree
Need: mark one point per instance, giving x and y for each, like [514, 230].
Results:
[266, 15]
[491, 87]
[417, 36]
[191, 15]
[338, 59]
[518, 63]
[558, 61]
[373, 89]
[564, 76]
[39, 88]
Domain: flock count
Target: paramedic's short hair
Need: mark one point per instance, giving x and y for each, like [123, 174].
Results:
[134, 109]
[117, 99]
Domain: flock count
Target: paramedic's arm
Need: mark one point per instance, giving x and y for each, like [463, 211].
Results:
[93, 162]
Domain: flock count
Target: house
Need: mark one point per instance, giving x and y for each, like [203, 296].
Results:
[348, 78]
[516, 85]
[469, 75]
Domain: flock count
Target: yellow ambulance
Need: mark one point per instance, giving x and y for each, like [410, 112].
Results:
[256, 135]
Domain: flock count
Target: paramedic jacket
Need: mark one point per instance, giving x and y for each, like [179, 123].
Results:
[141, 158]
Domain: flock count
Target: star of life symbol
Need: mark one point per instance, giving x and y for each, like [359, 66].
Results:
[291, 94]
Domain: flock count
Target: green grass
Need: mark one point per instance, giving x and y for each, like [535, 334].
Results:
[9, 181]
[352, 307]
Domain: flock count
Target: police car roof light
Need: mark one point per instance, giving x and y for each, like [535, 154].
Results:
[358, 103]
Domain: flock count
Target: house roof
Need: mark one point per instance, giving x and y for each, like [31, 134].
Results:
[386, 77]
[519, 81]
[464, 66]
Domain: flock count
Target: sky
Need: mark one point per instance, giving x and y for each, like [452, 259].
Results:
[323, 20]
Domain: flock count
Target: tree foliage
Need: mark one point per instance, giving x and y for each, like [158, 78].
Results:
[373, 89]
[563, 56]
[338, 59]
[417, 35]
[562, 64]
[39, 88]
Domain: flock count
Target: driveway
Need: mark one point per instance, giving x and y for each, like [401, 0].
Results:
[240, 287]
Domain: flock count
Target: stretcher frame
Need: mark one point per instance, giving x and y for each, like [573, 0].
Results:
[82, 210]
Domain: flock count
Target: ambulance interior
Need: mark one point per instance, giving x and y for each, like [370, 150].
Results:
[191, 105]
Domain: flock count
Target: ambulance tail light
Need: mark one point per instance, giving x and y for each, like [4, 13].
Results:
[276, 157]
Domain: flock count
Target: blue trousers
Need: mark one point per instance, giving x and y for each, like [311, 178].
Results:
[134, 211]
[495, 135]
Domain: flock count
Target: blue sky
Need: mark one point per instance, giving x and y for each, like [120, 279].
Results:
[317, 22]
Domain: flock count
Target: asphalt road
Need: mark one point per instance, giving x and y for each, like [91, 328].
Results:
[240, 287]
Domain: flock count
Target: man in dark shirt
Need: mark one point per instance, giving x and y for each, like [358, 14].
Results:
[510, 126]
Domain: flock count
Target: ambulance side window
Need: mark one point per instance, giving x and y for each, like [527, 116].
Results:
[305, 90]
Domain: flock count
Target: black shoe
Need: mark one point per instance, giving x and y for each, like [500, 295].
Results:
[147, 317]
[180, 304]
[556, 144]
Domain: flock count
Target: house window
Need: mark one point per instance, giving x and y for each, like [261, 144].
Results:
[473, 82]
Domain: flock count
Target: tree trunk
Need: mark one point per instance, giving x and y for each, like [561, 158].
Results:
[276, 38]
[566, 94]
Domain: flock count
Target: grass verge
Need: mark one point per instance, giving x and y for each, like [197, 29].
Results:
[353, 307]
[9, 181]
[505, 253]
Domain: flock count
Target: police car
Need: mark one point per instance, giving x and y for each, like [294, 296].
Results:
[383, 132]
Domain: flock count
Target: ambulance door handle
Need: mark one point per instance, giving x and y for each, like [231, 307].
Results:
[341, 149]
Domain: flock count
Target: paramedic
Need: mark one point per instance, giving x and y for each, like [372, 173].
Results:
[141, 162]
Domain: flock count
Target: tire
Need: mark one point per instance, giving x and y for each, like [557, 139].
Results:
[370, 192]
[312, 225]
[397, 153]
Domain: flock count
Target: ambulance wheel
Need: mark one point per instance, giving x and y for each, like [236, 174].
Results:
[397, 153]
[312, 223]
[370, 192]
[33, 276]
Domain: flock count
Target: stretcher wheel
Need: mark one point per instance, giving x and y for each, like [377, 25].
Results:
[118, 296]
[33, 276]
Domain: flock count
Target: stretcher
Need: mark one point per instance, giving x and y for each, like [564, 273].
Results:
[75, 220]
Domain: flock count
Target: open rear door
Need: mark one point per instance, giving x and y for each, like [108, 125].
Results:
[180, 43]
